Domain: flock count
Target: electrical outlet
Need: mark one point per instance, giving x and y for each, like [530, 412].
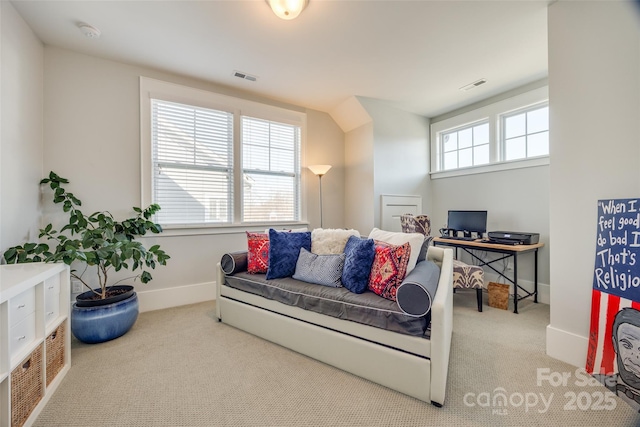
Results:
[76, 286]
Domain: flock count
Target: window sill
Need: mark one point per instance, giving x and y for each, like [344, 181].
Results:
[202, 229]
[494, 167]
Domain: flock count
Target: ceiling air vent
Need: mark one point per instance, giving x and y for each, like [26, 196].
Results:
[245, 76]
[473, 85]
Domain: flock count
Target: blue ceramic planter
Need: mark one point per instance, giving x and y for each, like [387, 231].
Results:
[103, 323]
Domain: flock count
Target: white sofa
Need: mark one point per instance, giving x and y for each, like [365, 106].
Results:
[412, 365]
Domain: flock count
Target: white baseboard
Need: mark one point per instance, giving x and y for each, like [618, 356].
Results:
[172, 297]
[567, 347]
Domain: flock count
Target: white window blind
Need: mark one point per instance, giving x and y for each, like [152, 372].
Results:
[270, 171]
[192, 150]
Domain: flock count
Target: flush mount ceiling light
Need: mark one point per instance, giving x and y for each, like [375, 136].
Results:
[287, 9]
[89, 31]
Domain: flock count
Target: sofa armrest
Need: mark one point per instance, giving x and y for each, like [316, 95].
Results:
[441, 323]
[230, 263]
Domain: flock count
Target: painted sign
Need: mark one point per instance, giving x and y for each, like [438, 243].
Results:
[613, 355]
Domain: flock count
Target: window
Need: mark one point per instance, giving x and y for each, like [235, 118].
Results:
[468, 146]
[510, 133]
[213, 160]
[270, 170]
[192, 163]
[526, 133]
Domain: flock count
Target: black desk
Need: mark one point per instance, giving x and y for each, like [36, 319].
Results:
[509, 251]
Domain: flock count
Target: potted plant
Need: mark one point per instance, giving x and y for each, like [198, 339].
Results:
[98, 241]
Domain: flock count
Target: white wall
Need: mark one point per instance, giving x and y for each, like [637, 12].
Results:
[359, 193]
[400, 153]
[22, 129]
[325, 145]
[92, 137]
[594, 89]
[390, 155]
[515, 200]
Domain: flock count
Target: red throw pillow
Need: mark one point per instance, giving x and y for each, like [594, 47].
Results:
[389, 268]
[258, 252]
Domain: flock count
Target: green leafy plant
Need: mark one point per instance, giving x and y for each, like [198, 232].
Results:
[95, 240]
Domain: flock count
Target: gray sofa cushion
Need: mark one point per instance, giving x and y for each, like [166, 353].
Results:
[366, 308]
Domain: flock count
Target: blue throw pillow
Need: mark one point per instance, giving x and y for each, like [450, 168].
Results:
[357, 263]
[284, 248]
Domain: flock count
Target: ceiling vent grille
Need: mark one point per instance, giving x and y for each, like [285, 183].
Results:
[245, 76]
[473, 85]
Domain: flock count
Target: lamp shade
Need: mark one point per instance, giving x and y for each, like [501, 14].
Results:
[287, 9]
[319, 169]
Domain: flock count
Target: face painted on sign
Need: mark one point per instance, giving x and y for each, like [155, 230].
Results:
[629, 348]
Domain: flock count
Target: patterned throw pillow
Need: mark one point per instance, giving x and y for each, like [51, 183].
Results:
[258, 252]
[284, 249]
[359, 255]
[414, 239]
[389, 268]
[319, 269]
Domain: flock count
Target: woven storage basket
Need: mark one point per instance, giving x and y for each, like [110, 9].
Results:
[55, 352]
[26, 387]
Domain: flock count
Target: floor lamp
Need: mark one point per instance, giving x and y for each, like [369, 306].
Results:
[320, 170]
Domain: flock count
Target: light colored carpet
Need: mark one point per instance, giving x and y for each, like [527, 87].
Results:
[181, 367]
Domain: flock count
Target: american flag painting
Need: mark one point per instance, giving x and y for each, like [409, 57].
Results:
[601, 358]
[613, 355]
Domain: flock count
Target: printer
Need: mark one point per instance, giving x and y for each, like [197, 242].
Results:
[514, 237]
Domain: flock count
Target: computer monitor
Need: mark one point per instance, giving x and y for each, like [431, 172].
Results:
[468, 221]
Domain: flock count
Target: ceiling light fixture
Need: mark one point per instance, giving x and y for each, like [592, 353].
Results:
[287, 9]
[89, 31]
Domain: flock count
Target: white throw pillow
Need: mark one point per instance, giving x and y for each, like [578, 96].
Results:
[328, 241]
[415, 241]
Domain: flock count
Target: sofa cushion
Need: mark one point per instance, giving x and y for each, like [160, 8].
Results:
[319, 269]
[389, 269]
[414, 239]
[366, 308]
[284, 248]
[359, 254]
[325, 241]
[257, 253]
